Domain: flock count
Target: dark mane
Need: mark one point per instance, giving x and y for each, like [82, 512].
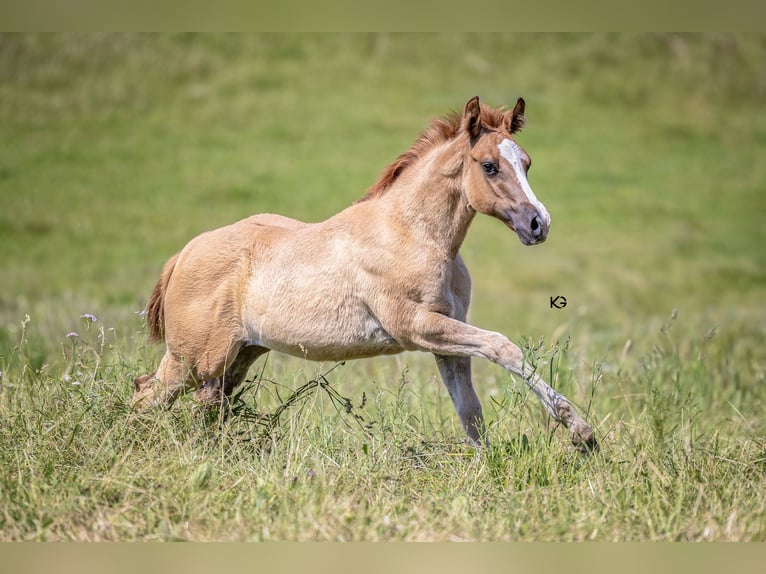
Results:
[438, 131]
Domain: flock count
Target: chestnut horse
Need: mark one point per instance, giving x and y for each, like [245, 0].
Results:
[381, 277]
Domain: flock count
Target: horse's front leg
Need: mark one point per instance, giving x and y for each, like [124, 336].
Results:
[456, 374]
[441, 335]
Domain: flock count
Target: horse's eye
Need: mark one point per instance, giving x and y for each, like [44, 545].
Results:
[489, 168]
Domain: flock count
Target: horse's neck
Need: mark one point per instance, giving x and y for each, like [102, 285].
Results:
[428, 200]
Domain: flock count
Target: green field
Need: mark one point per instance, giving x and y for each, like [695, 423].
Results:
[648, 151]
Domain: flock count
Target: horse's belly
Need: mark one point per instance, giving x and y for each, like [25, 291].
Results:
[319, 331]
[305, 297]
[333, 351]
[310, 344]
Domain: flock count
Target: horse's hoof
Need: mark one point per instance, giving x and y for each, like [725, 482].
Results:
[584, 440]
[142, 383]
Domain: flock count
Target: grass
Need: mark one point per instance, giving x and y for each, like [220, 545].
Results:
[116, 149]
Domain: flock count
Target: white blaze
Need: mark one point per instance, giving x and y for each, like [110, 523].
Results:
[512, 153]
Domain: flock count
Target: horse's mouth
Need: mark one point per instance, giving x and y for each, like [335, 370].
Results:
[526, 237]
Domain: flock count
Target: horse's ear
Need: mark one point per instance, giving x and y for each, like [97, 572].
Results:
[472, 117]
[515, 120]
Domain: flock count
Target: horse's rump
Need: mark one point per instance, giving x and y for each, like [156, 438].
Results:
[155, 308]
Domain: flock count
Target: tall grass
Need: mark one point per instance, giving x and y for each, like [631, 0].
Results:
[316, 452]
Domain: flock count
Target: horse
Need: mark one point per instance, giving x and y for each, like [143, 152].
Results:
[382, 276]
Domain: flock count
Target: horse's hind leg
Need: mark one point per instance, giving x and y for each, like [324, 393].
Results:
[172, 378]
[214, 392]
[456, 374]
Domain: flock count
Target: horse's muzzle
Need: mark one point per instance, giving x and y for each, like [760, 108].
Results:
[530, 225]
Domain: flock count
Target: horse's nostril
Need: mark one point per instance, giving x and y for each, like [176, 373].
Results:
[535, 225]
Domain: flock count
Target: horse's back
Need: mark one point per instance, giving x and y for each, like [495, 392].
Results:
[275, 220]
[223, 249]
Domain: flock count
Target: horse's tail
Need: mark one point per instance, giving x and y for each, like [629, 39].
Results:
[155, 308]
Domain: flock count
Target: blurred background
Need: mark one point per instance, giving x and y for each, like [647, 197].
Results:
[648, 151]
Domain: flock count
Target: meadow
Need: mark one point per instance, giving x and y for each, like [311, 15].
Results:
[648, 151]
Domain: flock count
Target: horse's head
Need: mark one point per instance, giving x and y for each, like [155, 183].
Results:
[495, 173]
